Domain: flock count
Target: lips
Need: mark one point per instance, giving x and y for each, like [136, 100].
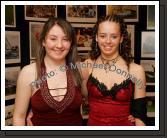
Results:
[108, 48]
[58, 51]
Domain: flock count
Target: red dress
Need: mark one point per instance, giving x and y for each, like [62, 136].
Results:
[109, 107]
[49, 112]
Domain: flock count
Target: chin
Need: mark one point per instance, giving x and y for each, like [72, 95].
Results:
[108, 53]
[58, 57]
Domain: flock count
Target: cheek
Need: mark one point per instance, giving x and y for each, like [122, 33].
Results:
[67, 45]
[49, 44]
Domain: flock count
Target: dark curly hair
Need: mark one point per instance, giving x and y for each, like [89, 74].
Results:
[124, 50]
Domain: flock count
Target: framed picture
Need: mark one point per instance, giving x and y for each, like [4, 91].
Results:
[9, 114]
[84, 34]
[149, 66]
[148, 94]
[131, 31]
[83, 56]
[150, 87]
[150, 17]
[32, 60]
[35, 29]
[11, 75]
[150, 106]
[10, 16]
[81, 13]
[130, 13]
[148, 44]
[12, 47]
[9, 97]
[40, 12]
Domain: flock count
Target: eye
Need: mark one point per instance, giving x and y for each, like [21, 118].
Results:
[102, 36]
[65, 39]
[114, 36]
[53, 39]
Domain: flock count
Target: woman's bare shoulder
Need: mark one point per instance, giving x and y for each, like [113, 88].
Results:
[28, 72]
[136, 69]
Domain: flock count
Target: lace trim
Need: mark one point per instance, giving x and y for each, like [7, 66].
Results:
[113, 91]
[68, 98]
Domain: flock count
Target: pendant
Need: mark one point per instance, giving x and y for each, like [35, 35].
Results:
[107, 67]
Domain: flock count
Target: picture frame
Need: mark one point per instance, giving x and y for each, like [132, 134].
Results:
[130, 13]
[12, 47]
[148, 94]
[81, 13]
[9, 115]
[83, 56]
[35, 29]
[9, 108]
[150, 17]
[39, 12]
[9, 97]
[32, 61]
[150, 106]
[148, 44]
[10, 16]
[149, 67]
[11, 75]
[84, 33]
[131, 32]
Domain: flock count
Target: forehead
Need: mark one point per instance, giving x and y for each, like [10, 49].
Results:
[109, 26]
[56, 29]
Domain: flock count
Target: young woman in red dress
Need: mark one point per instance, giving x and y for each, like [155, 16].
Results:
[53, 94]
[114, 91]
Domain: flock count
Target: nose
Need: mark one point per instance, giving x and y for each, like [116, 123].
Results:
[59, 44]
[108, 39]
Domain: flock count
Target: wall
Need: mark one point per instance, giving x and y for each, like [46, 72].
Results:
[22, 26]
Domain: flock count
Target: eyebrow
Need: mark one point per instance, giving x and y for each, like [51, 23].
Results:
[111, 34]
[55, 35]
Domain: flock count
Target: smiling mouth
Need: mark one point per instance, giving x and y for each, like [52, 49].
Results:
[58, 51]
[108, 48]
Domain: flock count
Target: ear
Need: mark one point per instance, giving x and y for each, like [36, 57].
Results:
[43, 43]
[96, 37]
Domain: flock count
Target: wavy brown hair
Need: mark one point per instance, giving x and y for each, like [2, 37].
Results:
[124, 50]
[71, 57]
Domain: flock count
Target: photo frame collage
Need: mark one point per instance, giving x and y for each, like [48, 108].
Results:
[148, 58]
[12, 56]
[82, 18]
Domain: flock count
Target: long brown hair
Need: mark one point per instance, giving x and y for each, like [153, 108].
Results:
[125, 47]
[71, 57]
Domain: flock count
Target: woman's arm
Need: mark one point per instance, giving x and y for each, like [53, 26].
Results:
[23, 94]
[139, 95]
[85, 75]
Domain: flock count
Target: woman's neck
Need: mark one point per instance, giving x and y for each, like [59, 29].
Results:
[53, 64]
[110, 57]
